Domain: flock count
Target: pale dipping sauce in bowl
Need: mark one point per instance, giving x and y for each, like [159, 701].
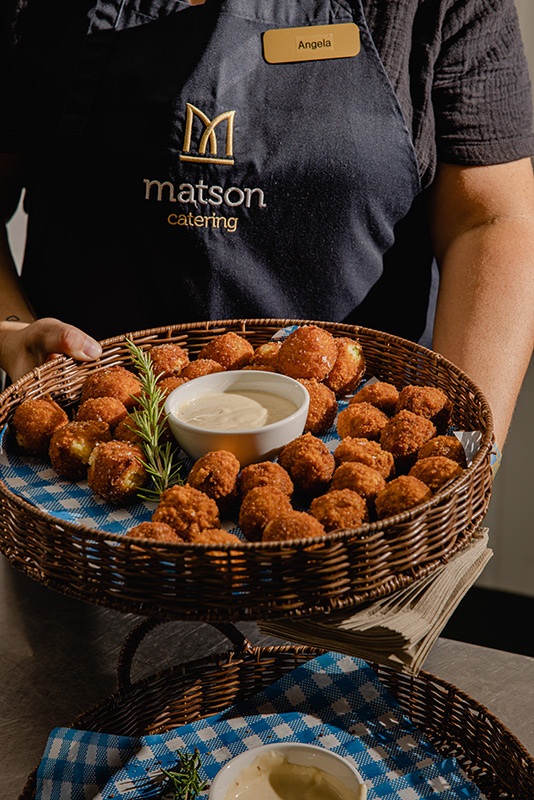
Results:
[272, 777]
[288, 771]
[235, 410]
[251, 413]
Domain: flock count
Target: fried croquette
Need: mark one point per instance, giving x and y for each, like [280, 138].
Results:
[215, 536]
[265, 355]
[399, 495]
[340, 508]
[168, 359]
[448, 446]
[127, 431]
[427, 401]
[116, 382]
[72, 444]
[360, 478]
[309, 463]
[116, 472]
[187, 510]
[259, 506]
[348, 368]
[322, 409]
[202, 366]
[293, 525]
[169, 384]
[361, 421]
[102, 409]
[265, 473]
[436, 471]
[34, 422]
[404, 435]
[230, 350]
[308, 352]
[216, 473]
[383, 395]
[367, 452]
[155, 531]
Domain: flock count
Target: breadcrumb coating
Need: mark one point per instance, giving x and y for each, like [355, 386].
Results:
[340, 509]
[348, 368]
[366, 452]
[168, 359]
[322, 408]
[259, 506]
[229, 349]
[102, 409]
[187, 510]
[361, 421]
[436, 471]
[309, 462]
[34, 423]
[291, 526]
[308, 352]
[381, 394]
[116, 472]
[401, 494]
[265, 473]
[116, 382]
[71, 447]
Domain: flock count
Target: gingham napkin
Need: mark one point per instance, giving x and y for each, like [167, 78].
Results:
[334, 701]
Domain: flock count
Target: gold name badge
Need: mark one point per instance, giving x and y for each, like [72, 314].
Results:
[314, 43]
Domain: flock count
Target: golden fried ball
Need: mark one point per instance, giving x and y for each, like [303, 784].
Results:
[361, 421]
[323, 406]
[427, 401]
[216, 473]
[155, 531]
[215, 536]
[399, 495]
[34, 422]
[187, 510]
[265, 473]
[202, 366]
[168, 359]
[367, 452]
[102, 409]
[340, 508]
[404, 435]
[71, 447]
[127, 431]
[348, 368]
[384, 396]
[308, 461]
[116, 382]
[169, 384]
[448, 446]
[308, 352]
[360, 478]
[229, 349]
[435, 471]
[116, 472]
[265, 355]
[292, 525]
[259, 506]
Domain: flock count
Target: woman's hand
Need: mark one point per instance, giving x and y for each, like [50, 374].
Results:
[24, 346]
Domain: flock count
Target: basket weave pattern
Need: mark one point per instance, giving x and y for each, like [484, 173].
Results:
[252, 580]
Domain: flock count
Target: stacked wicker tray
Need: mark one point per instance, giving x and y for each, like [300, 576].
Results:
[456, 725]
[252, 580]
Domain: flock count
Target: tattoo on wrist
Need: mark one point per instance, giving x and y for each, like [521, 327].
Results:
[12, 318]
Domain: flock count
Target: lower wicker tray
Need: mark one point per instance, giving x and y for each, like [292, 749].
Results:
[457, 725]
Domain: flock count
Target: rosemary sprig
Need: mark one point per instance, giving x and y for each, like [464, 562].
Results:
[184, 781]
[149, 421]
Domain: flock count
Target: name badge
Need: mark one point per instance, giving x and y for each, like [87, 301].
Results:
[313, 43]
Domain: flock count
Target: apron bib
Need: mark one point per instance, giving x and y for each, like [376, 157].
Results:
[191, 179]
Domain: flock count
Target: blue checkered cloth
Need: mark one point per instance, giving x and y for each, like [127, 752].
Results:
[334, 701]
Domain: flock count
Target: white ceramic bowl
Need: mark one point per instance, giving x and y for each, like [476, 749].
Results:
[307, 755]
[250, 445]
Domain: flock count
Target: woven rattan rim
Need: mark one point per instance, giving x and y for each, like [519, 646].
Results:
[457, 725]
[477, 475]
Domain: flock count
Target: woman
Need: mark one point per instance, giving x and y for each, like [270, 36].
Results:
[258, 158]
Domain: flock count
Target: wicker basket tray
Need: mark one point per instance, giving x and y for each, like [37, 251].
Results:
[252, 580]
[455, 724]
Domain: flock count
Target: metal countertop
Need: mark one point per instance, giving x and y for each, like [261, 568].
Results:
[58, 657]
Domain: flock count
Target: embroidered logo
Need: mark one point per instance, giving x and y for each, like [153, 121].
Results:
[208, 137]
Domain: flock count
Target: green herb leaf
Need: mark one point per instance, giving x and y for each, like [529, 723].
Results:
[184, 781]
[149, 421]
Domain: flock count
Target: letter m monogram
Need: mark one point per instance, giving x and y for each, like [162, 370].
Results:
[208, 137]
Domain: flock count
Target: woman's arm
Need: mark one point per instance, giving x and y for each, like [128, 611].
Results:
[482, 223]
[25, 342]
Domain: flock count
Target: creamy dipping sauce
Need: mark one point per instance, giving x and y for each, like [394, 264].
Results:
[272, 777]
[234, 410]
